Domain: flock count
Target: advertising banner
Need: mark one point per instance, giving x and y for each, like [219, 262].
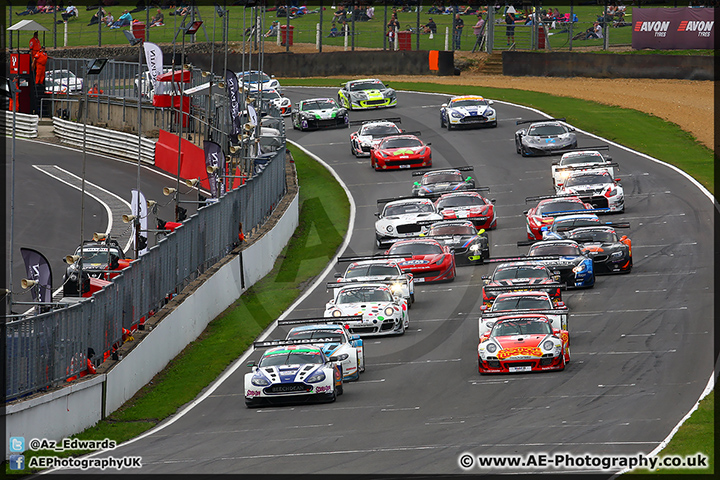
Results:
[214, 158]
[38, 269]
[154, 60]
[232, 87]
[673, 28]
[138, 205]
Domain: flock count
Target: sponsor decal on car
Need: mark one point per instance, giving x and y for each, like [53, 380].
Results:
[526, 351]
[323, 389]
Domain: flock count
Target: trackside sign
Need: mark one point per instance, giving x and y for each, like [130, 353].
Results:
[673, 28]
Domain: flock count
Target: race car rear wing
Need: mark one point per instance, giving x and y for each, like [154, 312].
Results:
[584, 149]
[361, 258]
[388, 119]
[318, 320]
[523, 311]
[462, 190]
[393, 199]
[521, 258]
[520, 122]
[576, 212]
[285, 343]
[351, 283]
[546, 197]
[464, 168]
[525, 288]
[593, 166]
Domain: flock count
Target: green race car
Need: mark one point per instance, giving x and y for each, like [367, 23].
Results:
[315, 113]
[366, 93]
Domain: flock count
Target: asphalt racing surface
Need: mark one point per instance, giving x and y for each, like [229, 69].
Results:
[641, 344]
[48, 202]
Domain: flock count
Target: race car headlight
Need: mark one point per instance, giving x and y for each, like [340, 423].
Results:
[491, 348]
[259, 381]
[396, 287]
[440, 261]
[389, 311]
[580, 268]
[389, 228]
[456, 115]
[548, 345]
[316, 377]
[336, 313]
[342, 357]
[489, 112]
[612, 192]
[616, 255]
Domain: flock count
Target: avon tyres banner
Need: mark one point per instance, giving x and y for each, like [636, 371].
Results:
[38, 269]
[214, 158]
[154, 60]
[673, 28]
[233, 88]
[138, 205]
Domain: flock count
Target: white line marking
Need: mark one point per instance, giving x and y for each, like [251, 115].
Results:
[419, 362]
[401, 409]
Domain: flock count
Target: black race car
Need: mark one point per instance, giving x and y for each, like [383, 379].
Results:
[544, 137]
[609, 253]
[469, 245]
[574, 265]
[443, 180]
[100, 259]
[523, 275]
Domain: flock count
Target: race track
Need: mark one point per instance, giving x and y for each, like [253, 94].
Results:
[642, 348]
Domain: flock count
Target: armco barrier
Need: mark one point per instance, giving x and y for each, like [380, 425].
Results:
[72, 409]
[103, 140]
[26, 126]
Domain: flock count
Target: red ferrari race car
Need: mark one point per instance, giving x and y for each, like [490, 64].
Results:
[468, 206]
[539, 216]
[426, 259]
[523, 343]
[400, 151]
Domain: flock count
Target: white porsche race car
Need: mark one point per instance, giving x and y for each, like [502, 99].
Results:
[334, 339]
[378, 270]
[403, 218]
[467, 111]
[370, 134]
[580, 161]
[596, 187]
[375, 309]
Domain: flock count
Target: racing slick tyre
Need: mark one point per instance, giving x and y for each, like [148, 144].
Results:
[449, 125]
[442, 122]
[352, 150]
[562, 365]
[339, 389]
[517, 146]
[567, 355]
[361, 369]
[412, 298]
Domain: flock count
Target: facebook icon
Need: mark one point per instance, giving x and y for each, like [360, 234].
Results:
[17, 462]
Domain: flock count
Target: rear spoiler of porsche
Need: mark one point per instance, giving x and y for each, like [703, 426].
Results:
[318, 320]
[361, 258]
[464, 168]
[520, 122]
[351, 283]
[576, 212]
[583, 149]
[393, 199]
[522, 311]
[594, 166]
[521, 258]
[525, 288]
[546, 197]
[388, 119]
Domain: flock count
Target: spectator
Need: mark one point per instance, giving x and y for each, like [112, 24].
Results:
[158, 20]
[394, 23]
[594, 32]
[34, 45]
[458, 25]
[123, 21]
[436, 8]
[70, 12]
[370, 12]
[281, 11]
[108, 19]
[430, 27]
[333, 31]
[391, 34]
[97, 17]
[510, 29]
[272, 31]
[31, 9]
[340, 14]
[479, 27]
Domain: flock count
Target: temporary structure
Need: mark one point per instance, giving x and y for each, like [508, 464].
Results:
[27, 26]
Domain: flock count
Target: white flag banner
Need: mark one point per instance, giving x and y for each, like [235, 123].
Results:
[154, 60]
[138, 205]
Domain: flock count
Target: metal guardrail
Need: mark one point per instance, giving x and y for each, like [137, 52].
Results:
[103, 140]
[26, 126]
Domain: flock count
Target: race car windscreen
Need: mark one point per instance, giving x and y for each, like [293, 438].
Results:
[602, 236]
[520, 327]
[291, 357]
[94, 256]
[565, 225]
[254, 77]
[268, 95]
[562, 250]
[553, 207]
[359, 295]
[442, 178]
[401, 143]
[318, 105]
[408, 208]
[332, 336]
[371, 271]
[509, 273]
[469, 103]
[527, 302]
[453, 230]
[589, 179]
[379, 130]
[416, 249]
[356, 87]
[460, 201]
[542, 130]
[582, 158]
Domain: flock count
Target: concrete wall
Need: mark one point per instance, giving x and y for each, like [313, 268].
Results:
[70, 410]
[606, 65]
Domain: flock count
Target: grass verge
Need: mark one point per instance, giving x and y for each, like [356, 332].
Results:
[324, 216]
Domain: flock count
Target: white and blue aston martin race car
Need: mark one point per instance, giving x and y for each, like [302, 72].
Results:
[468, 111]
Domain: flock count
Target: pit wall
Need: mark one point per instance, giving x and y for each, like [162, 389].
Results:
[70, 410]
[607, 65]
